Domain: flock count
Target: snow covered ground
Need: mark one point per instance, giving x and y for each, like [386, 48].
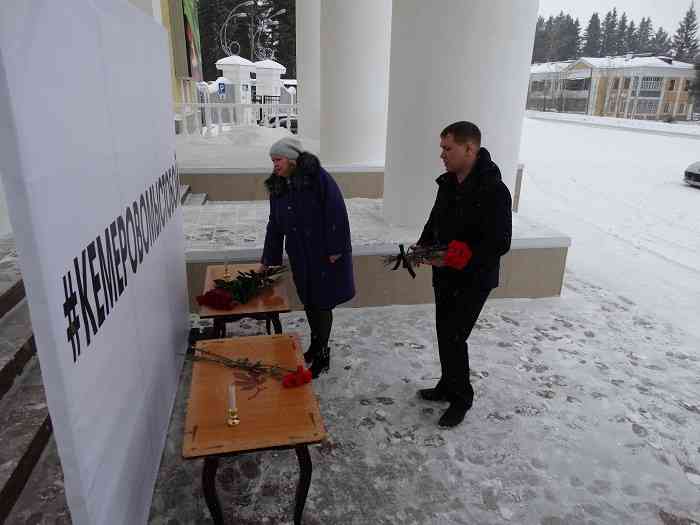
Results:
[620, 196]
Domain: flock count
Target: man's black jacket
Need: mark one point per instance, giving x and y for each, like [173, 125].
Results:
[478, 212]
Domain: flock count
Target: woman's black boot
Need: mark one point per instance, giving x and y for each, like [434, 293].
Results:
[312, 351]
[321, 363]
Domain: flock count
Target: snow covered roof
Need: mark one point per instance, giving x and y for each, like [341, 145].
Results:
[270, 64]
[549, 67]
[234, 60]
[623, 62]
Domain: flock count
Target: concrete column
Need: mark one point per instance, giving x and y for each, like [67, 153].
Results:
[308, 44]
[354, 80]
[453, 60]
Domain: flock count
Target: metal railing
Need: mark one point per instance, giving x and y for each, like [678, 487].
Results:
[209, 119]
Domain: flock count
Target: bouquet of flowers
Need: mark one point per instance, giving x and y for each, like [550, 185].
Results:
[228, 292]
[455, 255]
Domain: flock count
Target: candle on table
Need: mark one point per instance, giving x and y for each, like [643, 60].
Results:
[232, 396]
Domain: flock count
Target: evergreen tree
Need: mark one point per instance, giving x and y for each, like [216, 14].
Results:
[609, 41]
[661, 43]
[621, 36]
[539, 52]
[644, 35]
[593, 37]
[685, 41]
[569, 38]
[631, 39]
[551, 42]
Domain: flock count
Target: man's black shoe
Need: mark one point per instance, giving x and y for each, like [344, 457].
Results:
[432, 394]
[454, 414]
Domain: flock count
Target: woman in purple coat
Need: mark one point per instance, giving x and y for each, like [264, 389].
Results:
[308, 216]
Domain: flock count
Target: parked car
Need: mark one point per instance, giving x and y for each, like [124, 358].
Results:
[692, 174]
[284, 121]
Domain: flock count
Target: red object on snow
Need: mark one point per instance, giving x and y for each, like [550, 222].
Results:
[458, 255]
[216, 298]
[298, 378]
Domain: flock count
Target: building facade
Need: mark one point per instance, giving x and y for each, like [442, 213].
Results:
[634, 87]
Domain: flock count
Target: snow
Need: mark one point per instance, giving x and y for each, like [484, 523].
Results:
[234, 60]
[619, 194]
[237, 148]
[687, 128]
[270, 64]
[621, 62]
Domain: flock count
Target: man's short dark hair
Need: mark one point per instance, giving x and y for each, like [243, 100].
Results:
[463, 132]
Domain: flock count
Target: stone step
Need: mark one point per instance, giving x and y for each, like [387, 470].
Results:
[11, 284]
[43, 499]
[184, 191]
[25, 429]
[17, 345]
[195, 199]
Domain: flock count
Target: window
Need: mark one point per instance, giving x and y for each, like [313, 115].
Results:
[687, 85]
[647, 106]
[636, 83]
[651, 83]
[672, 84]
[627, 83]
[681, 109]
[667, 108]
[616, 83]
[611, 104]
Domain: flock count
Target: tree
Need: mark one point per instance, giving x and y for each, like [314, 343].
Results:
[551, 42]
[685, 41]
[593, 37]
[621, 36]
[631, 42]
[661, 43]
[644, 35]
[609, 39]
[569, 38]
[539, 52]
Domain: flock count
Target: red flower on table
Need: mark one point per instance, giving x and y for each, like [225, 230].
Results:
[298, 378]
[458, 255]
[216, 298]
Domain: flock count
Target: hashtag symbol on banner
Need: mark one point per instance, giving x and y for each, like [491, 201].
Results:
[70, 313]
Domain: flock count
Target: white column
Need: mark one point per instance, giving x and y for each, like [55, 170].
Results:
[453, 60]
[354, 80]
[308, 43]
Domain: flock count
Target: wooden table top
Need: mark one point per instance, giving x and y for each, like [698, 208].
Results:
[271, 416]
[271, 300]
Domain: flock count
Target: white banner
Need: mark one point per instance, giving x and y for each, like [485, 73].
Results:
[87, 160]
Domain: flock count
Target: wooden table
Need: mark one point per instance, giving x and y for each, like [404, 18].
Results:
[272, 418]
[267, 305]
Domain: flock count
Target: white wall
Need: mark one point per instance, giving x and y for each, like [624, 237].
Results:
[453, 60]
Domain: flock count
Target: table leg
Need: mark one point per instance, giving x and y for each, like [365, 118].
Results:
[211, 464]
[304, 481]
[219, 328]
[276, 323]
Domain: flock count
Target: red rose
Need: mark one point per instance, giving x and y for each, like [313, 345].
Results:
[458, 255]
[298, 378]
[216, 298]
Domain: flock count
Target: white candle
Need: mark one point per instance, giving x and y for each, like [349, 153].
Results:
[232, 396]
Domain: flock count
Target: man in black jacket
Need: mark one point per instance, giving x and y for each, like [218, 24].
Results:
[473, 212]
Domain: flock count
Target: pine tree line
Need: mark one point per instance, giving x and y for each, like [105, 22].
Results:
[560, 37]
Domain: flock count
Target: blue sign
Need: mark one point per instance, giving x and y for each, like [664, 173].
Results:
[222, 88]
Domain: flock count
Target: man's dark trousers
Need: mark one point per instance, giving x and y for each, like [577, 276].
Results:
[456, 312]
